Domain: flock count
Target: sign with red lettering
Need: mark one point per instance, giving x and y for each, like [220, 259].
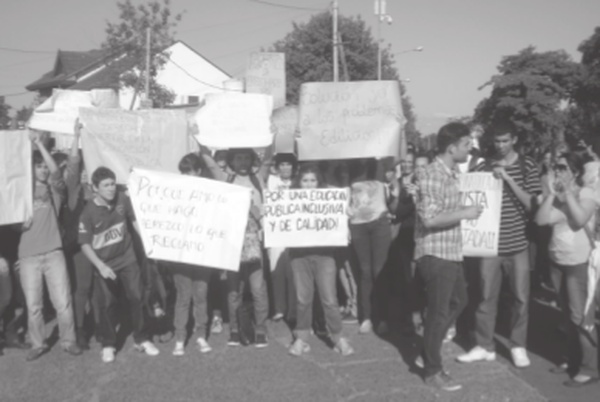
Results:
[190, 219]
[480, 236]
[306, 218]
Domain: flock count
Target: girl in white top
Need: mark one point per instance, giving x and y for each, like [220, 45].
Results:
[570, 209]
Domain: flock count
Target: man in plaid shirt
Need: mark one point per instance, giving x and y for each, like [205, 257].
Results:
[439, 246]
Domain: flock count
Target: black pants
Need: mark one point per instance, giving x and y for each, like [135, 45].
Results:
[446, 297]
[106, 294]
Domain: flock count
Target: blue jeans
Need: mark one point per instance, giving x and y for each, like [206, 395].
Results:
[33, 271]
[321, 270]
[249, 274]
[106, 294]
[492, 269]
[446, 290]
[371, 242]
[191, 285]
[5, 285]
[571, 283]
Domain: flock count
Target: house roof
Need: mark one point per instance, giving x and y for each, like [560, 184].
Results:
[70, 66]
[67, 65]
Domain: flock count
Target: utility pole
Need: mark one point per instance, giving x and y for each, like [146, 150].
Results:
[336, 68]
[147, 87]
[380, 12]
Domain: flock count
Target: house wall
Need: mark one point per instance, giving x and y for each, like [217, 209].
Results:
[187, 74]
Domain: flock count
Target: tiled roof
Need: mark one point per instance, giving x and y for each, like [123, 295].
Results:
[66, 66]
[108, 77]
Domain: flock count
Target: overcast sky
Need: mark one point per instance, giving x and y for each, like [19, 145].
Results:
[464, 40]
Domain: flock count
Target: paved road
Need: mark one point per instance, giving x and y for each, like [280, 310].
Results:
[377, 372]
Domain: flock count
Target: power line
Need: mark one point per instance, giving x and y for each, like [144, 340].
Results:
[199, 80]
[23, 62]
[15, 94]
[8, 49]
[268, 3]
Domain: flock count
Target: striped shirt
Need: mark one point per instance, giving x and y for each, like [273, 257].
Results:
[514, 217]
[438, 193]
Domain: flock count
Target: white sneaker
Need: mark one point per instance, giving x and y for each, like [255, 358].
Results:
[179, 349]
[299, 347]
[419, 362]
[108, 355]
[148, 348]
[217, 325]
[477, 354]
[366, 327]
[520, 358]
[203, 346]
[450, 334]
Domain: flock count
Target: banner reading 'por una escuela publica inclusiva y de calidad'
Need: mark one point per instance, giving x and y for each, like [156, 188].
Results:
[480, 236]
[306, 218]
[190, 219]
[345, 120]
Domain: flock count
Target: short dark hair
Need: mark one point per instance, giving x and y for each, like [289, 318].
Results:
[307, 168]
[102, 173]
[233, 152]
[191, 162]
[59, 157]
[286, 158]
[37, 158]
[503, 128]
[451, 134]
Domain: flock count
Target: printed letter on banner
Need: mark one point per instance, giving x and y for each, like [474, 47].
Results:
[120, 139]
[190, 219]
[306, 218]
[343, 120]
[16, 194]
[480, 236]
[235, 120]
[266, 75]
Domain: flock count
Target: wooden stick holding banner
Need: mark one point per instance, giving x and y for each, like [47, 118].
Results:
[190, 219]
[480, 236]
[306, 218]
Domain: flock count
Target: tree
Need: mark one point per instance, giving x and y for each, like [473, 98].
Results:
[532, 92]
[127, 37]
[4, 117]
[309, 58]
[24, 113]
[585, 120]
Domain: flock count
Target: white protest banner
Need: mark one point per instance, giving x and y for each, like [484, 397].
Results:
[16, 192]
[58, 113]
[306, 217]
[121, 139]
[265, 74]
[190, 219]
[480, 236]
[235, 120]
[285, 125]
[344, 120]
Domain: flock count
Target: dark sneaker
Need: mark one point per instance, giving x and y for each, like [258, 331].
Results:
[261, 341]
[443, 381]
[234, 339]
[82, 340]
[73, 349]
[35, 354]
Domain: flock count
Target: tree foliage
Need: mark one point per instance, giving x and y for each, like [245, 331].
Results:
[585, 119]
[128, 36]
[4, 116]
[309, 58]
[532, 92]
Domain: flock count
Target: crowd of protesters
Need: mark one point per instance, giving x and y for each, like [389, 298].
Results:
[403, 270]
